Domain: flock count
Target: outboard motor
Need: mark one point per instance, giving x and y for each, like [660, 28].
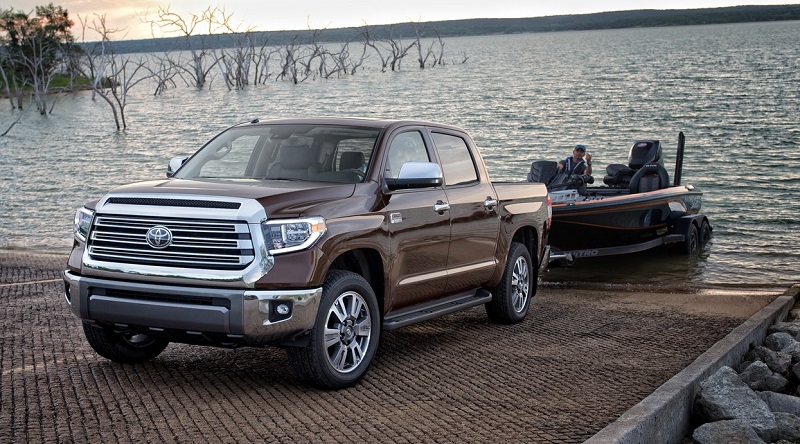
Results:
[543, 171]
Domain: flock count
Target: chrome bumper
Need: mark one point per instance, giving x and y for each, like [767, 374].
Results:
[240, 315]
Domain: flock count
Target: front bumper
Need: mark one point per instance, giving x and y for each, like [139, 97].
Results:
[194, 314]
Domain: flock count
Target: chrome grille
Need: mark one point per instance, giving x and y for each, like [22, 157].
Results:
[196, 243]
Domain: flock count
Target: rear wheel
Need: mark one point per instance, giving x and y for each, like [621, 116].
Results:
[123, 346]
[345, 336]
[512, 297]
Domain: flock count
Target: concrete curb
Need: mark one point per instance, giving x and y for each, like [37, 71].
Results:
[664, 416]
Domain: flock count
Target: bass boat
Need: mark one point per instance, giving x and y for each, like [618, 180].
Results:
[635, 209]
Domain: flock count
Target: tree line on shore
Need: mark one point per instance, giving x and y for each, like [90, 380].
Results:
[491, 26]
[39, 51]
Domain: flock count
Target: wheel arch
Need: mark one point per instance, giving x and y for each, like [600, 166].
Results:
[529, 237]
[367, 263]
[686, 222]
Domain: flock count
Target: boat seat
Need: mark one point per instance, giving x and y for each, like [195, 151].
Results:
[294, 162]
[644, 152]
[650, 177]
[618, 175]
[351, 160]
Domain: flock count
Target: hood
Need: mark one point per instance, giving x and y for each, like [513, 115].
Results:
[278, 197]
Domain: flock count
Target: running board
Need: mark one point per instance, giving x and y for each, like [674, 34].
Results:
[424, 312]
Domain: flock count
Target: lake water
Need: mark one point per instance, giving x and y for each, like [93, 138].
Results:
[734, 90]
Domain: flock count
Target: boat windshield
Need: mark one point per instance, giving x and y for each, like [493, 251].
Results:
[319, 153]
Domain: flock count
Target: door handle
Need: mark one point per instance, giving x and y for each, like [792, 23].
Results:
[440, 207]
[490, 203]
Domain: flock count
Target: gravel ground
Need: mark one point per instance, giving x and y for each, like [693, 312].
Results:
[581, 359]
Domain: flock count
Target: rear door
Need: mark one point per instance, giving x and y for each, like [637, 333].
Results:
[474, 221]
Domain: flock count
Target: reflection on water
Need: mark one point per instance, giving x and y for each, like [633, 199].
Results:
[648, 268]
[732, 89]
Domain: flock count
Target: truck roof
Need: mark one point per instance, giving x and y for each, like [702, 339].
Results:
[369, 122]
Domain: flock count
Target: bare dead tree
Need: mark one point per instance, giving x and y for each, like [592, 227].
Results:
[290, 55]
[341, 62]
[356, 63]
[441, 48]
[173, 23]
[112, 76]
[398, 49]
[235, 66]
[315, 51]
[5, 78]
[234, 62]
[164, 71]
[419, 31]
[260, 61]
[366, 33]
[11, 126]
[42, 77]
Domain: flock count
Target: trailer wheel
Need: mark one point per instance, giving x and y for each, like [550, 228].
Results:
[705, 232]
[692, 242]
[345, 336]
[122, 345]
[512, 297]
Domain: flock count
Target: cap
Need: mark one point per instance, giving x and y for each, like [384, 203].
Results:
[580, 147]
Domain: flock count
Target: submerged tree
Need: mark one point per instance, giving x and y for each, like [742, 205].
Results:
[209, 20]
[111, 76]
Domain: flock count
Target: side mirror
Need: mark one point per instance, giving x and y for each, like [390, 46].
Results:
[174, 164]
[416, 175]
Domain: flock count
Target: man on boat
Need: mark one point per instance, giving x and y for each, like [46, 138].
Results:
[576, 163]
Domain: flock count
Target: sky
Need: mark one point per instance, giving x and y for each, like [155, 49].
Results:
[132, 17]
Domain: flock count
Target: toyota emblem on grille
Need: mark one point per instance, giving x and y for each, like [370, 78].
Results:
[159, 237]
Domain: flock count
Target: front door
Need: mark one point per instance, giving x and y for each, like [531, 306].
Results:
[419, 235]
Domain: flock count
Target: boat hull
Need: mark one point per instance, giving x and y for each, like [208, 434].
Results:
[611, 223]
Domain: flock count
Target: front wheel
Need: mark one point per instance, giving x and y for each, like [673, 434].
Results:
[122, 345]
[512, 297]
[345, 336]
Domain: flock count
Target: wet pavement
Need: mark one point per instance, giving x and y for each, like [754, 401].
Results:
[580, 360]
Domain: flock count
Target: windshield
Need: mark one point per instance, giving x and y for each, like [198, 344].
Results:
[320, 153]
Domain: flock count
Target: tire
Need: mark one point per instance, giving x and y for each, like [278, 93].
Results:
[123, 346]
[512, 297]
[705, 232]
[692, 243]
[345, 336]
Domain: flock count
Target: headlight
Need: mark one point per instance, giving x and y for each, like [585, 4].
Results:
[83, 221]
[287, 235]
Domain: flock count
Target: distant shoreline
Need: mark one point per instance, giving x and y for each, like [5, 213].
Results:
[644, 18]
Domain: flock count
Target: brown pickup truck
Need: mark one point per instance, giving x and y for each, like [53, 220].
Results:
[312, 234]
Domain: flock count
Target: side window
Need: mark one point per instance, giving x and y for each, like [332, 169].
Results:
[231, 158]
[405, 147]
[458, 166]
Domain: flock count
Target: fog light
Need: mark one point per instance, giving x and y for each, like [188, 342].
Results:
[282, 309]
